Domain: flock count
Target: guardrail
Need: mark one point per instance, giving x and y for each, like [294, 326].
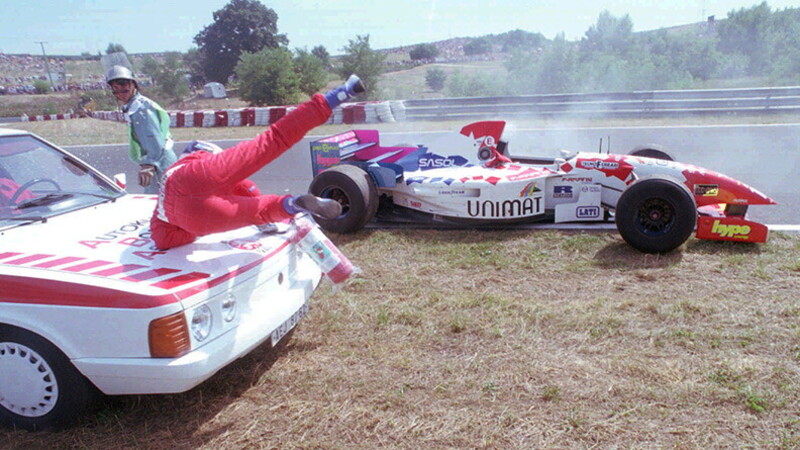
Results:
[611, 105]
[637, 104]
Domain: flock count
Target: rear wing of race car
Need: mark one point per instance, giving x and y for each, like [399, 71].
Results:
[361, 148]
[330, 151]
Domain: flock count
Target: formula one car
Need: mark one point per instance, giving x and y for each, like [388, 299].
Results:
[88, 303]
[468, 179]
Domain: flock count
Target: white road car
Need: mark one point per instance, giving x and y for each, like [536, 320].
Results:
[88, 303]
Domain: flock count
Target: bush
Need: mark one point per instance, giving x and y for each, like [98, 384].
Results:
[424, 51]
[434, 79]
[41, 86]
[268, 78]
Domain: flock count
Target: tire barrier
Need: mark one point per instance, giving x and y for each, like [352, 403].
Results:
[40, 118]
[349, 113]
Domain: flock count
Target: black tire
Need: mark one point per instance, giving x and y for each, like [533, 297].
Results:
[39, 386]
[656, 215]
[651, 151]
[354, 189]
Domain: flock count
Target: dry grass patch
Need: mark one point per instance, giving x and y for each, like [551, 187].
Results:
[523, 339]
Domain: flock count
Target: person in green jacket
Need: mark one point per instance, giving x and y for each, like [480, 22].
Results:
[148, 127]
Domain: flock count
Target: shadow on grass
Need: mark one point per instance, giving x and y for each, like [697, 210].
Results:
[723, 247]
[620, 255]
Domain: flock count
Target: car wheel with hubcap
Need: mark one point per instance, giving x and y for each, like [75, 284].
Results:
[39, 386]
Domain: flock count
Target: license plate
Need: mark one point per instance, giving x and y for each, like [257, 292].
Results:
[287, 325]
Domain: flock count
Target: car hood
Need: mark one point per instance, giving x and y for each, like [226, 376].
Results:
[108, 246]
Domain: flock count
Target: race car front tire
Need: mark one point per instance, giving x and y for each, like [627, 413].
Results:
[354, 189]
[656, 215]
[39, 386]
[651, 151]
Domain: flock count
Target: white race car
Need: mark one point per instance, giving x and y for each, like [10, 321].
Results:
[466, 179]
[88, 303]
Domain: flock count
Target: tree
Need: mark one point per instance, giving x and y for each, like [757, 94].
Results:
[169, 77]
[115, 48]
[193, 60]
[610, 34]
[241, 26]
[322, 53]
[520, 39]
[478, 46]
[311, 71]
[268, 78]
[434, 78]
[360, 59]
[557, 69]
[523, 70]
[424, 51]
[746, 32]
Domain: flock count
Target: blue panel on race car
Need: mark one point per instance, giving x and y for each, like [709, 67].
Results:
[385, 174]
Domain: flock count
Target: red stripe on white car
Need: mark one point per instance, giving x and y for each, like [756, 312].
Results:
[87, 266]
[150, 274]
[58, 262]
[20, 289]
[180, 280]
[122, 268]
[9, 255]
[27, 259]
[63, 293]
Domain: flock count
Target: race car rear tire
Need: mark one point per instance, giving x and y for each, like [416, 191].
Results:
[354, 189]
[656, 215]
[39, 386]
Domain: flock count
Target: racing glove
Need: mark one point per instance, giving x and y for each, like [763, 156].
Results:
[349, 89]
[146, 174]
[320, 207]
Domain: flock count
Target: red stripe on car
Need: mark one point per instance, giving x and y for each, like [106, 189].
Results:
[8, 255]
[216, 281]
[27, 259]
[150, 274]
[111, 271]
[36, 291]
[63, 293]
[175, 282]
[87, 266]
[58, 262]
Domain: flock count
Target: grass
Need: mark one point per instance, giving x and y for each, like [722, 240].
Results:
[515, 339]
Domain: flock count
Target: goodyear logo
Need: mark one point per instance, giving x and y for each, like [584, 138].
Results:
[731, 231]
[706, 190]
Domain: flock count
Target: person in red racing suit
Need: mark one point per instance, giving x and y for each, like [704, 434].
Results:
[208, 192]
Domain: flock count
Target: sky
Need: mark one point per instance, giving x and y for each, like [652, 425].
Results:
[72, 27]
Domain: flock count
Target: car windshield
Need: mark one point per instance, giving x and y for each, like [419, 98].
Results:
[38, 181]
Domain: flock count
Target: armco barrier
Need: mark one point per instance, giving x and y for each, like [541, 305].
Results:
[349, 113]
[610, 104]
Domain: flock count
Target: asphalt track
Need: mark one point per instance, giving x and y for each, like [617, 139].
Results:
[766, 157]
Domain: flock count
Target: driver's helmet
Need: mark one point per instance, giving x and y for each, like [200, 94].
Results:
[201, 146]
[120, 73]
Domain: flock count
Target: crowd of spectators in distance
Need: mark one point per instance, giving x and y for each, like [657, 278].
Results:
[19, 73]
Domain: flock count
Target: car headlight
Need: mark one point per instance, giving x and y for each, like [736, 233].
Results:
[229, 308]
[201, 323]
